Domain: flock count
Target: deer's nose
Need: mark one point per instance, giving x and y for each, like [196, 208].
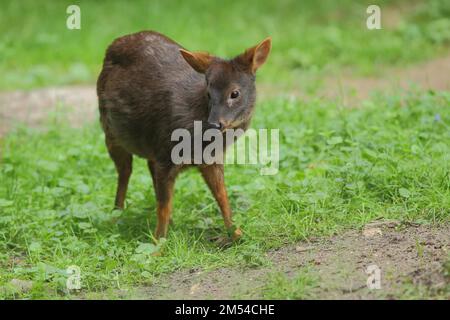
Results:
[216, 125]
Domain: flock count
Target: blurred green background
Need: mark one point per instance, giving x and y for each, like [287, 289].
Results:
[309, 36]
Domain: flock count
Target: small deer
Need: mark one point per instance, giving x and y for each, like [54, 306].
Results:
[149, 86]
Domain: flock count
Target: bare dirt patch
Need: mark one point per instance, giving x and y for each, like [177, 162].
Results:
[431, 75]
[412, 256]
[32, 108]
[351, 90]
[79, 103]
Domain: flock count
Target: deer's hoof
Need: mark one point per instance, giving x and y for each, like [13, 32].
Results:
[237, 234]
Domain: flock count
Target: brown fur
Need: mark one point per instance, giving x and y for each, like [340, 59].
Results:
[150, 86]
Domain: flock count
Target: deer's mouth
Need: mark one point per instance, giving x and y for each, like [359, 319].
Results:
[235, 124]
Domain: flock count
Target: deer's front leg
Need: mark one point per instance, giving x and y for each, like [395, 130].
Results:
[214, 178]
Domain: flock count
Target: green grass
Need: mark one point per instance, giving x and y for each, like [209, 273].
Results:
[37, 49]
[339, 168]
[301, 286]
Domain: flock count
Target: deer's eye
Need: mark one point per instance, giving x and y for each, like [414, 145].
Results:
[234, 94]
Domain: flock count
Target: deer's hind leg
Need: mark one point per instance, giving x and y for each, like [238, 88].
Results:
[123, 161]
[151, 166]
[163, 182]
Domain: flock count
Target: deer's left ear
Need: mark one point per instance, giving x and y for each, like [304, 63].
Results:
[200, 61]
[256, 56]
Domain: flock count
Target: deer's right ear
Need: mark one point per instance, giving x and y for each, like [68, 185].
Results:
[199, 61]
[256, 56]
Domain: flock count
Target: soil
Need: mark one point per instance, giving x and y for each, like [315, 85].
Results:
[350, 90]
[430, 75]
[33, 108]
[413, 255]
[79, 103]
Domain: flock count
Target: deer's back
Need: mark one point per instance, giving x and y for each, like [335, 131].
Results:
[146, 90]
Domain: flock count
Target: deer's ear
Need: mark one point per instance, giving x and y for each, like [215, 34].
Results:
[257, 55]
[199, 61]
